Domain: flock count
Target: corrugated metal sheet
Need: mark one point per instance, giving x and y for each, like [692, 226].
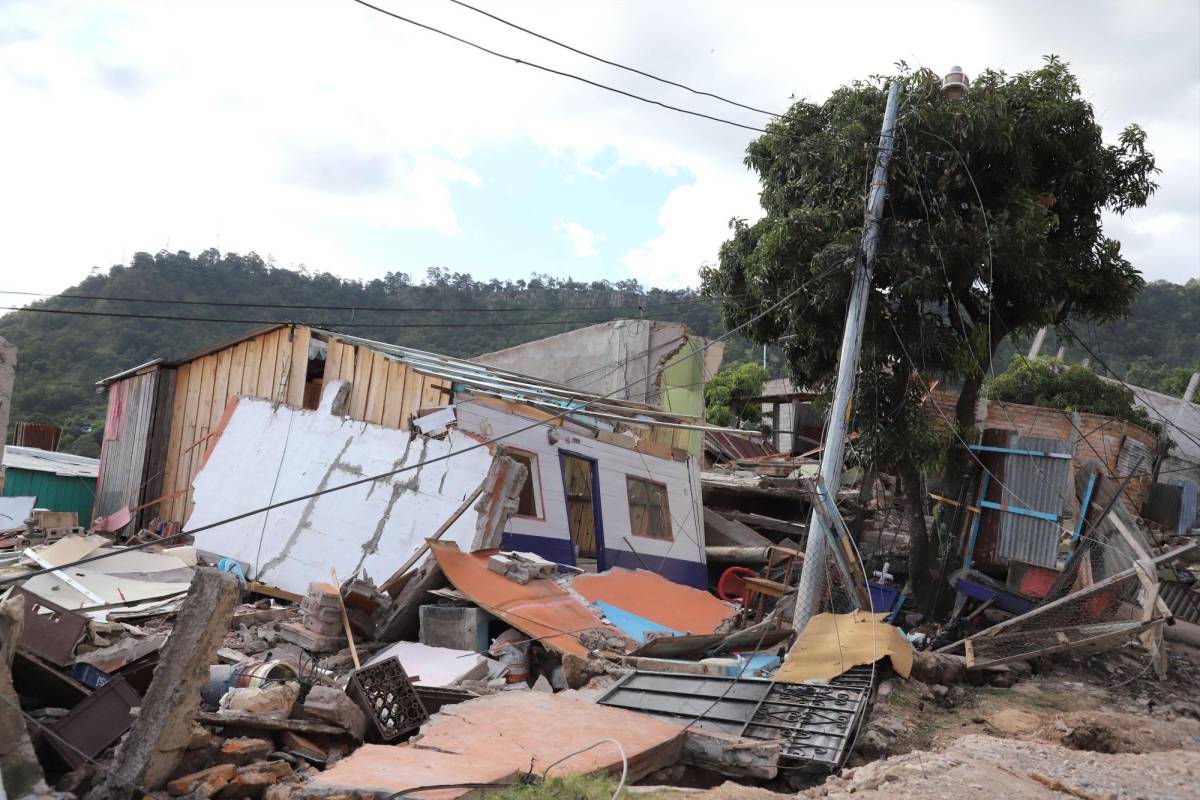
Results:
[126, 432]
[731, 446]
[55, 492]
[1039, 484]
[36, 460]
[1189, 512]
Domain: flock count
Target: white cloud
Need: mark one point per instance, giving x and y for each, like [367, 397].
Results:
[583, 241]
[293, 129]
[694, 222]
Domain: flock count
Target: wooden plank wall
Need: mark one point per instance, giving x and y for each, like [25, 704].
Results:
[273, 366]
[270, 366]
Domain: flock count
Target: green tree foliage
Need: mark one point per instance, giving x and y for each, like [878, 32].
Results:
[60, 357]
[725, 396]
[992, 226]
[1047, 381]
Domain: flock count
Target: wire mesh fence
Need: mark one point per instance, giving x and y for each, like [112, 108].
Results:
[1102, 614]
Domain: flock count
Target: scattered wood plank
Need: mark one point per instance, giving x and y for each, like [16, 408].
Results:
[240, 719]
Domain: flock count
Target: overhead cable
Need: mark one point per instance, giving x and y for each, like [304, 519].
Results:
[320, 307]
[594, 57]
[561, 73]
[575, 409]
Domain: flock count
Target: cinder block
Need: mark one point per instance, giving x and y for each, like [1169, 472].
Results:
[456, 627]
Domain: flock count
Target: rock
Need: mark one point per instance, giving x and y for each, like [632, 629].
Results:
[1011, 721]
[334, 706]
[301, 746]
[77, 781]
[243, 750]
[216, 777]
[937, 668]
[579, 670]
[201, 737]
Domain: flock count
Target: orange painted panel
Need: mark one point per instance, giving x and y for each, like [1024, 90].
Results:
[541, 608]
[655, 598]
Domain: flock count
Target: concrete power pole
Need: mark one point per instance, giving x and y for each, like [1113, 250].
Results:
[812, 579]
[1036, 347]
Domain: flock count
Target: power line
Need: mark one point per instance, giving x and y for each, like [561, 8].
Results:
[473, 446]
[560, 73]
[594, 57]
[320, 307]
[178, 318]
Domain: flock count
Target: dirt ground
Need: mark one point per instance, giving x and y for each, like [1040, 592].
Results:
[1092, 728]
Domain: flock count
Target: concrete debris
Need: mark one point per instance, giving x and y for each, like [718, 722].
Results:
[514, 633]
[335, 707]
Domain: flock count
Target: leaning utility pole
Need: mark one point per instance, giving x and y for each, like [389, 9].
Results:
[812, 579]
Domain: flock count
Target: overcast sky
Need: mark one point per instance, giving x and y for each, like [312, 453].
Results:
[322, 133]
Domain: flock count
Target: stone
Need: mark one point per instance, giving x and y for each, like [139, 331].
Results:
[937, 668]
[247, 784]
[20, 771]
[201, 737]
[222, 774]
[163, 729]
[243, 750]
[334, 706]
[456, 627]
[301, 746]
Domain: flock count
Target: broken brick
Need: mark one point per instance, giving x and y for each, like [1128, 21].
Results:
[243, 750]
[222, 773]
[334, 706]
[301, 746]
[201, 737]
[247, 784]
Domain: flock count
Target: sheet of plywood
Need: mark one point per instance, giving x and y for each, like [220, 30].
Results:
[350, 355]
[411, 401]
[491, 739]
[431, 392]
[237, 368]
[266, 367]
[333, 359]
[393, 401]
[220, 386]
[298, 366]
[361, 385]
[166, 509]
[191, 433]
[377, 391]
[250, 372]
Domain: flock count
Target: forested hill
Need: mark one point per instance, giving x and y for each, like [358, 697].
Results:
[60, 356]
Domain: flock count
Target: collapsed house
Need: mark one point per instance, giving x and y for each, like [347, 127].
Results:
[290, 410]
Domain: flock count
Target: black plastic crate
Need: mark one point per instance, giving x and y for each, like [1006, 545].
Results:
[389, 700]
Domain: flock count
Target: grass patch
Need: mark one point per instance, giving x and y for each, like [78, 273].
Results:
[572, 787]
[1038, 701]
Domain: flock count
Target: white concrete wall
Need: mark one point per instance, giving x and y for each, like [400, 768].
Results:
[614, 463]
[269, 454]
[601, 359]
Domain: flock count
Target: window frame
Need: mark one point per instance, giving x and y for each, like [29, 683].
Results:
[535, 477]
[665, 508]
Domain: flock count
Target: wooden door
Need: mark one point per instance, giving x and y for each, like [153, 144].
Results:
[578, 480]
